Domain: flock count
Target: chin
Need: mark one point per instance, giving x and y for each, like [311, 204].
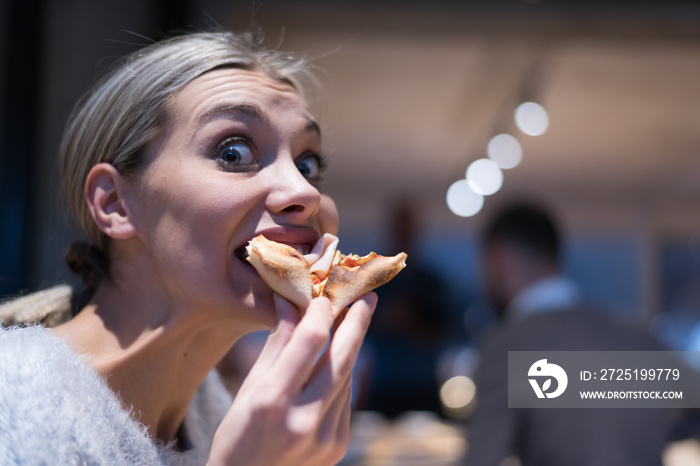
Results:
[259, 308]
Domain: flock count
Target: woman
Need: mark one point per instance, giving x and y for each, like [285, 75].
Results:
[177, 159]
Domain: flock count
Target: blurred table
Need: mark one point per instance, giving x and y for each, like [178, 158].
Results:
[682, 453]
[423, 439]
[414, 439]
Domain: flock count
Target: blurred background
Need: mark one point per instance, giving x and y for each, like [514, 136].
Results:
[412, 93]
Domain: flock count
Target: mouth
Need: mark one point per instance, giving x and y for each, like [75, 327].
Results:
[302, 239]
[242, 254]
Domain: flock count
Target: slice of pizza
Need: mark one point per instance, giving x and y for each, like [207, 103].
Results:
[323, 272]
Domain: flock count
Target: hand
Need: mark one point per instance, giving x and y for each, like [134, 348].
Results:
[294, 406]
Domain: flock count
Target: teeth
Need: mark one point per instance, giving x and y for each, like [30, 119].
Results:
[301, 248]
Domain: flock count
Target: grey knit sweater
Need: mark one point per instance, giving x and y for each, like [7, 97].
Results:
[56, 410]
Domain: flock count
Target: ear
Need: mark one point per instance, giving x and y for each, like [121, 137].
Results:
[105, 190]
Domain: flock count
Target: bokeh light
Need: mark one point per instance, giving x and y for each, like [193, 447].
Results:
[484, 177]
[462, 200]
[457, 392]
[505, 150]
[531, 118]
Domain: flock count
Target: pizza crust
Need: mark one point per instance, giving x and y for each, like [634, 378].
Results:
[289, 274]
[345, 284]
[283, 268]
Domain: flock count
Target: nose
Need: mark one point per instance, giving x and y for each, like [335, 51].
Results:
[292, 195]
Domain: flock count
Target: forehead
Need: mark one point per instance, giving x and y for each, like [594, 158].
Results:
[218, 91]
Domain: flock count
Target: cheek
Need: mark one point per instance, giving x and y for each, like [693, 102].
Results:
[191, 237]
[191, 217]
[328, 215]
[212, 213]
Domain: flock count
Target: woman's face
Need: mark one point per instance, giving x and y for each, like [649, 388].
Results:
[242, 157]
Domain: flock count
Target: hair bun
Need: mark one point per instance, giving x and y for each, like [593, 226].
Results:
[88, 262]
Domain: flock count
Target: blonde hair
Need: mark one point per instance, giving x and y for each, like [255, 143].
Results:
[130, 106]
[116, 121]
[48, 307]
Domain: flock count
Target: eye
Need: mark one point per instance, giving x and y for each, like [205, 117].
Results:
[236, 154]
[311, 167]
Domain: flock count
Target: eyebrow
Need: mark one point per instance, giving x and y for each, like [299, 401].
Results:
[311, 125]
[224, 110]
[248, 110]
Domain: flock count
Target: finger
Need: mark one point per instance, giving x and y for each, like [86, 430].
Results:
[334, 411]
[342, 434]
[337, 363]
[309, 338]
[351, 338]
[339, 320]
[288, 317]
[331, 430]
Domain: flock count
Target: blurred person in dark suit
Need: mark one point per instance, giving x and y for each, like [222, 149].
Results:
[408, 330]
[540, 310]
